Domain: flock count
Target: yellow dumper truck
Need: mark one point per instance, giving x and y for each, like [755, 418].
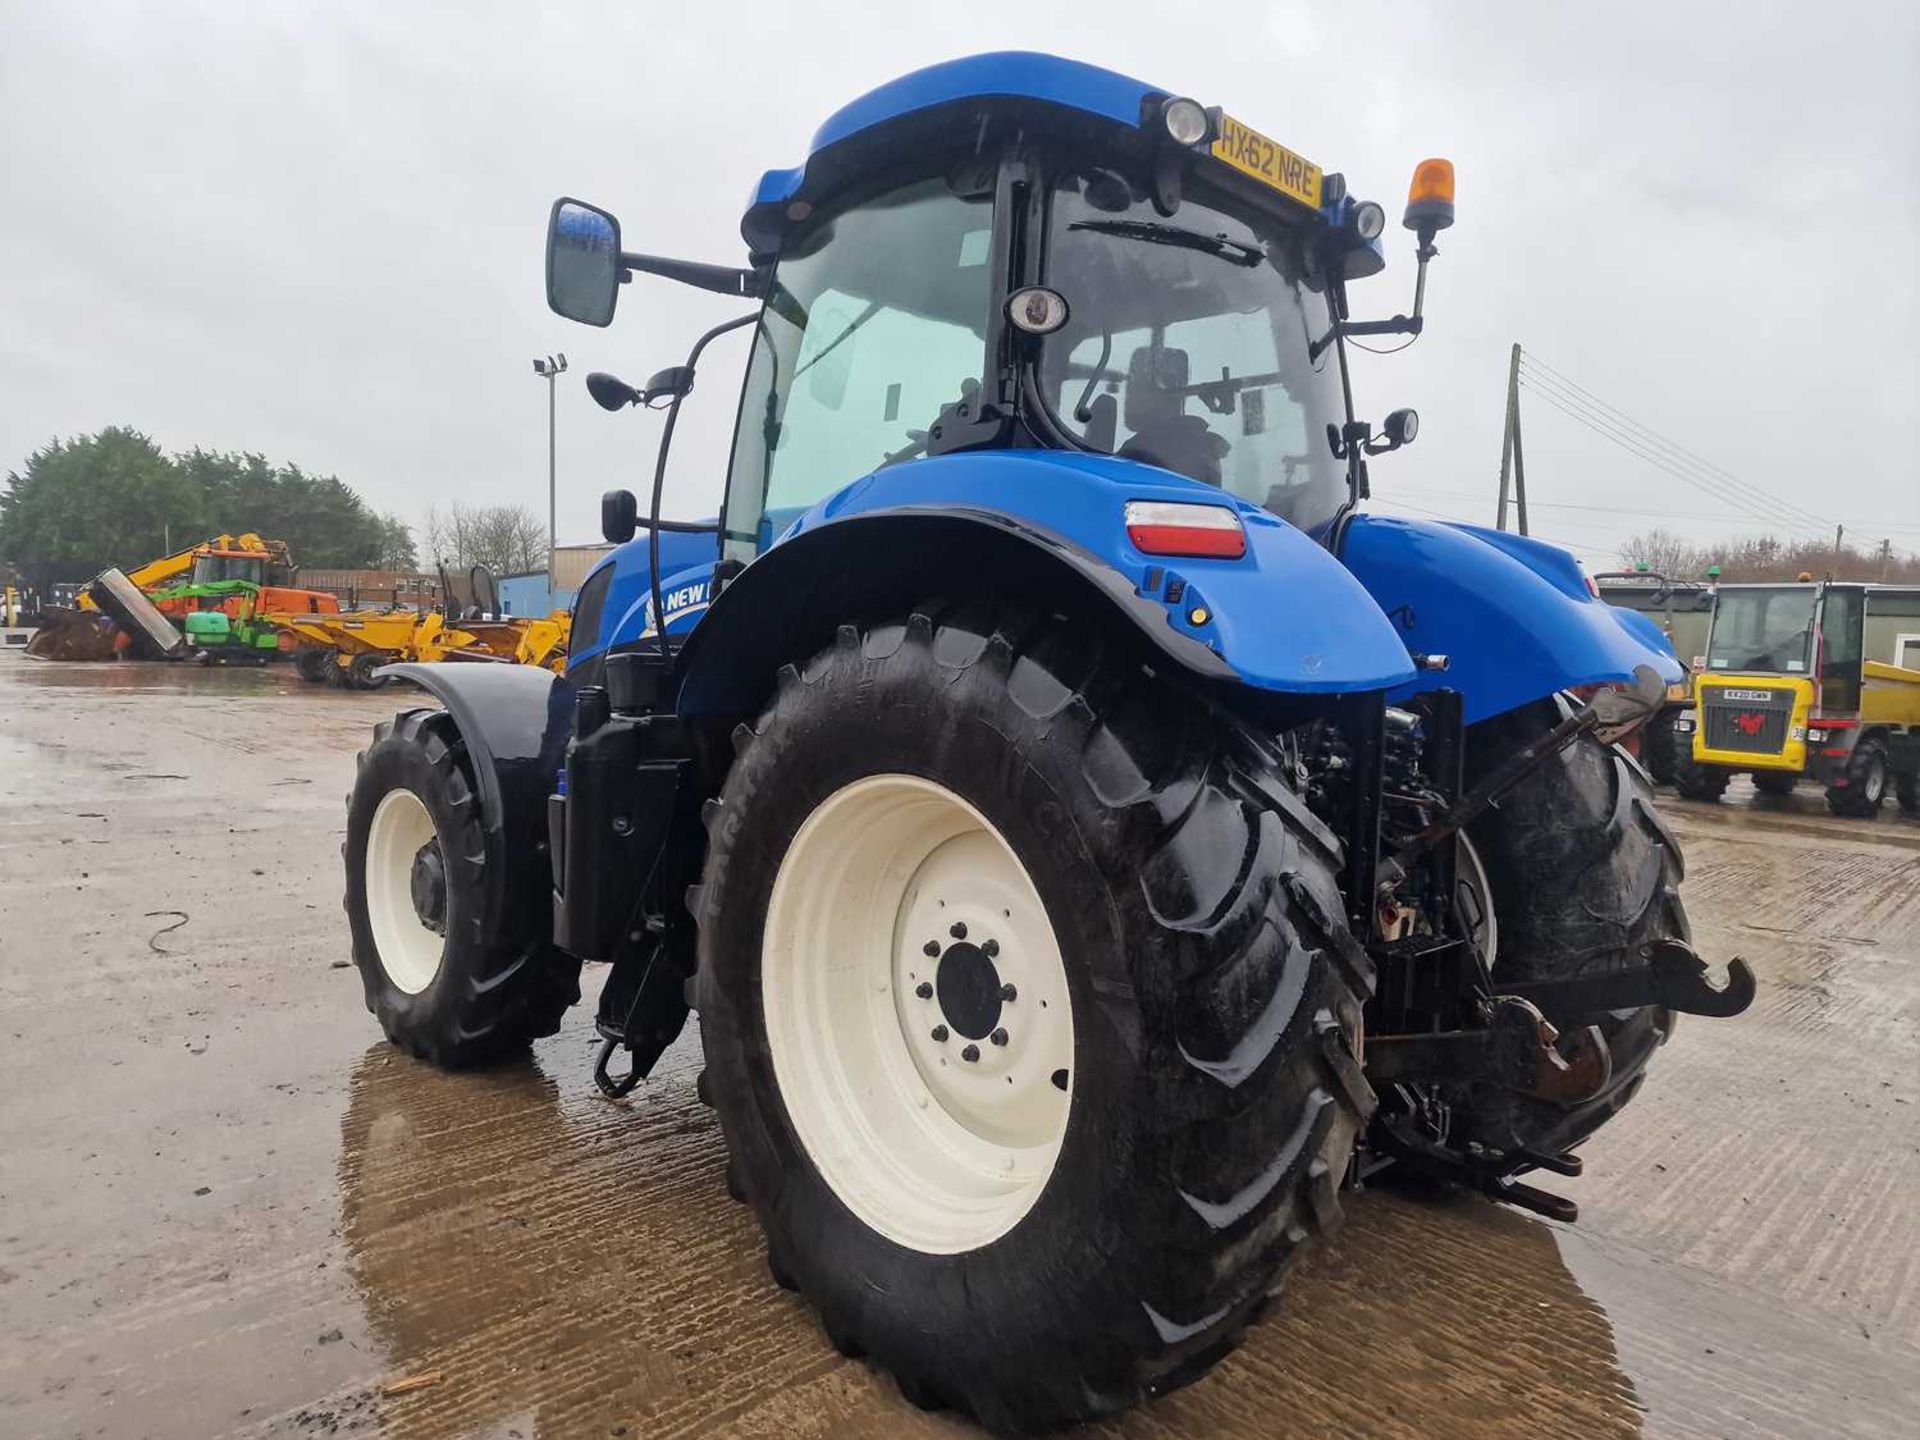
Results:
[1810, 681]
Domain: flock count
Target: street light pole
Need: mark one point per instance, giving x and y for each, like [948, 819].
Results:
[550, 369]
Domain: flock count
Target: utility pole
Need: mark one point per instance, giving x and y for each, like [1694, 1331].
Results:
[1839, 533]
[1886, 555]
[550, 369]
[1512, 462]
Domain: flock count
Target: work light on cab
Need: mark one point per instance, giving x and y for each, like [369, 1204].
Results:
[1163, 527]
[1186, 121]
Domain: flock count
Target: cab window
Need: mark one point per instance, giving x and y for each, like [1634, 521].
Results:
[877, 318]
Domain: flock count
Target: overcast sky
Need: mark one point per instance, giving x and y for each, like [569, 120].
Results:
[314, 229]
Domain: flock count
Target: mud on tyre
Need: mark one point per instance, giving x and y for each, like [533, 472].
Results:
[1209, 985]
[457, 963]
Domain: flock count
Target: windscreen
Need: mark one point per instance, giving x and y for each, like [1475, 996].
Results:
[214, 569]
[1187, 345]
[1763, 629]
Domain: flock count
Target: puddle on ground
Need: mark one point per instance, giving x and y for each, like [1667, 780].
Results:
[567, 1266]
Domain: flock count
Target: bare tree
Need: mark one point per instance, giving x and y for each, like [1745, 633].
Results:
[1768, 557]
[507, 539]
[1665, 553]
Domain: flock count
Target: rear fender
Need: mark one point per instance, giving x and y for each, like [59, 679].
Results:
[516, 721]
[1285, 619]
[1513, 615]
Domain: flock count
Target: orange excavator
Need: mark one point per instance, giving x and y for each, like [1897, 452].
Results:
[239, 576]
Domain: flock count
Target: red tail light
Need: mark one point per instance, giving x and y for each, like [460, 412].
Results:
[1165, 527]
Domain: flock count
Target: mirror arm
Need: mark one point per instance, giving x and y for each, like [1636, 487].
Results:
[1400, 324]
[721, 279]
[654, 524]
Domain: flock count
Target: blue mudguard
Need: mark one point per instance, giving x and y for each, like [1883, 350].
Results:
[1284, 617]
[1514, 616]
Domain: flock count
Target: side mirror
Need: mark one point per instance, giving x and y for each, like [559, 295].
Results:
[619, 516]
[583, 262]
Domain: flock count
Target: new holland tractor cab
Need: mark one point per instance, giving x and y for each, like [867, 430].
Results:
[1089, 839]
[1816, 681]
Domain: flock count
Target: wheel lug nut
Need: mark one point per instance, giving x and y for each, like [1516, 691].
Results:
[940, 1033]
[923, 990]
[931, 949]
[1009, 994]
[971, 1053]
[958, 929]
[999, 1037]
[990, 949]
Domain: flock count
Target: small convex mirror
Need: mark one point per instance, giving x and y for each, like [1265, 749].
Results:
[583, 262]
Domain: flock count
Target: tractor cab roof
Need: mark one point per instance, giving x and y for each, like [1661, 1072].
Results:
[898, 113]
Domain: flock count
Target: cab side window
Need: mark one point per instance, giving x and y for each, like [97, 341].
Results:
[877, 319]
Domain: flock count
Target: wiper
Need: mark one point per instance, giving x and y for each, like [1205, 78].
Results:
[1152, 233]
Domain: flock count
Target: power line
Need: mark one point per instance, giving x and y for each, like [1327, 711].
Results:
[1542, 377]
[1653, 437]
[1625, 433]
[1777, 513]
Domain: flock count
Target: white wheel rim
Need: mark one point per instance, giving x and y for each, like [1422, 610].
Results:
[1471, 877]
[408, 948]
[937, 1152]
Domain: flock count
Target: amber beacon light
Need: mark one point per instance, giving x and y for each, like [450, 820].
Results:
[1430, 197]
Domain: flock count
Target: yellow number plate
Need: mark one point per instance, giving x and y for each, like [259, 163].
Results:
[1252, 153]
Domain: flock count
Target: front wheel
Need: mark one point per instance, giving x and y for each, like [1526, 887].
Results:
[1695, 780]
[1029, 1012]
[1582, 877]
[1865, 787]
[1777, 784]
[454, 962]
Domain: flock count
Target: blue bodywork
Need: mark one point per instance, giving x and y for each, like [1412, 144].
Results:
[1515, 617]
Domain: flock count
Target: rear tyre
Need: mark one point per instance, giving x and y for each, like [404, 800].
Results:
[1866, 788]
[1583, 875]
[312, 663]
[1775, 783]
[1906, 786]
[1012, 838]
[457, 964]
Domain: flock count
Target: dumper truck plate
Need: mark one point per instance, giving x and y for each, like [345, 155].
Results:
[1267, 161]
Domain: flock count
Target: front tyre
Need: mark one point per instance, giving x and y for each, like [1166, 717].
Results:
[1028, 1011]
[1584, 878]
[456, 971]
[1694, 780]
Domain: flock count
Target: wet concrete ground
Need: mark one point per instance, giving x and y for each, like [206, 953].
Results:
[227, 1207]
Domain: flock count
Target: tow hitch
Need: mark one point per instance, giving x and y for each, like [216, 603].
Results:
[1518, 1049]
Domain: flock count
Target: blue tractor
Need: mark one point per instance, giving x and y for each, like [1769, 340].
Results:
[1090, 840]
